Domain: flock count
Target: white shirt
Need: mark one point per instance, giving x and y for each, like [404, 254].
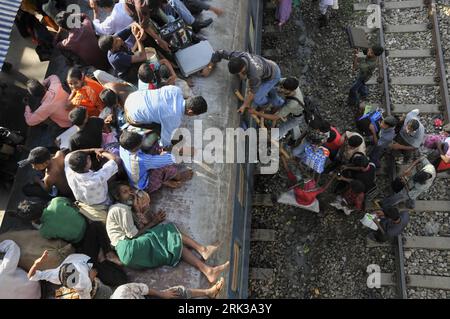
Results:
[91, 188]
[120, 223]
[118, 20]
[14, 283]
[130, 291]
[83, 285]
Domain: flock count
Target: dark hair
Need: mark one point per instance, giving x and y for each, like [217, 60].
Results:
[164, 72]
[355, 141]
[357, 186]
[360, 161]
[377, 50]
[392, 213]
[75, 73]
[325, 127]
[290, 84]
[78, 161]
[315, 124]
[130, 140]
[36, 89]
[235, 65]
[146, 73]
[78, 115]
[414, 124]
[105, 3]
[197, 104]
[39, 155]
[390, 120]
[108, 97]
[332, 137]
[114, 190]
[105, 42]
[62, 18]
[30, 210]
[364, 126]
[421, 177]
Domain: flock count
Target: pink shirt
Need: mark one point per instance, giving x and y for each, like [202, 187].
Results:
[53, 105]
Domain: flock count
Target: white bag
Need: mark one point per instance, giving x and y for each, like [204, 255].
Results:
[368, 221]
[335, 4]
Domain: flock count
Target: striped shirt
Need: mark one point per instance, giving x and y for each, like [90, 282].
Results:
[138, 164]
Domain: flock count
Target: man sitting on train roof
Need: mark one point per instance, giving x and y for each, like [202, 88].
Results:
[53, 99]
[123, 60]
[165, 107]
[90, 188]
[149, 172]
[411, 136]
[156, 244]
[53, 166]
[262, 74]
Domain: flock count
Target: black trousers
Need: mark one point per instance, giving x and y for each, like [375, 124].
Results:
[196, 6]
[35, 190]
[96, 238]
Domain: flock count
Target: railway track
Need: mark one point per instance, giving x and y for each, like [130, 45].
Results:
[406, 278]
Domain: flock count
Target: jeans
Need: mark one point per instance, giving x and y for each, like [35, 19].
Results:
[358, 91]
[184, 12]
[397, 198]
[267, 92]
[376, 154]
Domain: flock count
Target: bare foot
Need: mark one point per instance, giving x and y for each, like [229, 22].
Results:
[112, 257]
[209, 250]
[217, 11]
[184, 176]
[215, 290]
[214, 272]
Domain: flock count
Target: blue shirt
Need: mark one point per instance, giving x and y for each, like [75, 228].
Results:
[138, 164]
[165, 106]
[121, 60]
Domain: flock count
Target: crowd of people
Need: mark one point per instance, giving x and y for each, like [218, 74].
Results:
[95, 193]
[125, 98]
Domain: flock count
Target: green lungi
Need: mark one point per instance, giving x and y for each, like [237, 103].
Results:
[159, 246]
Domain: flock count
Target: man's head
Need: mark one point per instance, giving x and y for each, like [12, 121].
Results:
[412, 126]
[195, 106]
[123, 193]
[392, 213]
[236, 66]
[31, 210]
[106, 4]
[75, 78]
[360, 161]
[355, 141]
[375, 51]
[36, 89]
[62, 18]
[79, 116]
[357, 186]
[325, 126]
[131, 141]
[39, 158]
[289, 85]
[422, 177]
[146, 74]
[109, 98]
[80, 162]
[110, 43]
[388, 122]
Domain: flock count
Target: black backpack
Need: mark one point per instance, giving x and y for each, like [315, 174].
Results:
[310, 109]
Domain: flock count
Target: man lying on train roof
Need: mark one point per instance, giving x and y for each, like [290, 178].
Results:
[262, 74]
[165, 106]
